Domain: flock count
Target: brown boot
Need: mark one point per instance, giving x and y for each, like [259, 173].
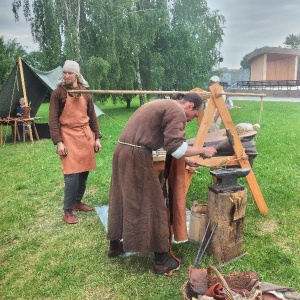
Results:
[81, 206]
[69, 218]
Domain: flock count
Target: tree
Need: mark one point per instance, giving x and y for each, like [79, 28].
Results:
[190, 44]
[9, 53]
[293, 41]
[129, 44]
[244, 62]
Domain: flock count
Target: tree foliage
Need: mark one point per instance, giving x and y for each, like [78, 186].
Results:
[129, 44]
[293, 41]
[244, 62]
[9, 53]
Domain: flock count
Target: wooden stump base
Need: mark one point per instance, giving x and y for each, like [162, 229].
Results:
[228, 210]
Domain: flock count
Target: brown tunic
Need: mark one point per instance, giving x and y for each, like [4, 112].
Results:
[57, 104]
[137, 210]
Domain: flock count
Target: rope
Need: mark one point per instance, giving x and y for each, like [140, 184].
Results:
[16, 83]
[260, 116]
[222, 164]
[261, 109]
[114, 120]
[131, 145]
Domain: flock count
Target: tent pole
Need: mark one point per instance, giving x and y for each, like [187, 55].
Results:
[23, 81]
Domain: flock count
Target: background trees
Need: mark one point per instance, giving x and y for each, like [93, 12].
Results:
[293, 41]
[9, 53]
[129, 44]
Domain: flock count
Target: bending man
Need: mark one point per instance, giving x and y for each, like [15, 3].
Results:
[137, 209]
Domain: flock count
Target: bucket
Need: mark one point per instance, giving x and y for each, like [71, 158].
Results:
[197, 222]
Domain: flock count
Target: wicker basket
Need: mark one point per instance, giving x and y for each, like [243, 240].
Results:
[221, 279]
[188, 294]
[186, 291]
[234, 280]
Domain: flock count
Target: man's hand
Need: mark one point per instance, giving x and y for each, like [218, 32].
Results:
[209, 151]
[191, 162]
[97, 146]
[61, 149]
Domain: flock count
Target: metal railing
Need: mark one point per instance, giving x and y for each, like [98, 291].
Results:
[268, 84]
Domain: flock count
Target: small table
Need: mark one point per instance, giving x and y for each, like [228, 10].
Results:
[27, 124]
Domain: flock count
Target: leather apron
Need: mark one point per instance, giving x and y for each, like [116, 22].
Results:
[77, 136]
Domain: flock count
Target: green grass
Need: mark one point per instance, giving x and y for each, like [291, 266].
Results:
[43, 258]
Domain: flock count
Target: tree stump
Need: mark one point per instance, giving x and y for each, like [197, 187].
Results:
[228, 210]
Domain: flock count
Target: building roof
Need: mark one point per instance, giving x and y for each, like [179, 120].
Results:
[272, 50]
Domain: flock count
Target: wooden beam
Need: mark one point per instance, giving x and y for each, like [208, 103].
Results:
[140, 92]
[23, 81]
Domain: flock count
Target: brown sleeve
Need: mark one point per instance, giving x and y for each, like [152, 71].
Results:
[57, 97]
[92, 115]
[174, 130]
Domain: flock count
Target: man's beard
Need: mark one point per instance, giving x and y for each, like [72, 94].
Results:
[68, 85]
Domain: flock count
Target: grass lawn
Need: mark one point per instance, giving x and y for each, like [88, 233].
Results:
[43, 258]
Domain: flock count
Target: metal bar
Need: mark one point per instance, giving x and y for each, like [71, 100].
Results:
[210, 237]
[232, 260]
[200, 247]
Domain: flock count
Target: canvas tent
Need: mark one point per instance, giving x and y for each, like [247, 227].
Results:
[26, 80]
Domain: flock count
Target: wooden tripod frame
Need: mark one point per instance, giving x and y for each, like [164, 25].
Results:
[217, 102]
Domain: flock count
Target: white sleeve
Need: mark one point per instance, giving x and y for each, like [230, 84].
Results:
[180, 151]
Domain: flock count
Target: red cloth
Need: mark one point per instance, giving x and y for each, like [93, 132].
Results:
[216, 291]
[177, 183]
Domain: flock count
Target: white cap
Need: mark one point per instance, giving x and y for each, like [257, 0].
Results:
[73, 66]
[215, 79]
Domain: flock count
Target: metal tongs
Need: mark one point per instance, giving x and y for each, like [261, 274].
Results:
[201, 251]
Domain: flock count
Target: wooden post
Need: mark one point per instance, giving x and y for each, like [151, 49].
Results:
[23, 81]
[228, 211]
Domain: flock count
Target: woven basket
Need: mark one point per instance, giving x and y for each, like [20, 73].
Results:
[212, 269]
[186, 291]
[236, 280]
[188, 294]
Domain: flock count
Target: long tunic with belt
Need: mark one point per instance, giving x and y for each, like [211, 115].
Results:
[69, 121]
[137, 210]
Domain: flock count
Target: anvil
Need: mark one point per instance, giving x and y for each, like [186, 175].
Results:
[227, 180]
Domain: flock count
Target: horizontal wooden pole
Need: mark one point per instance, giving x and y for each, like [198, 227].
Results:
[141, 92]
[138, 92]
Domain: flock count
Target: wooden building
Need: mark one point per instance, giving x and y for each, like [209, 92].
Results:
[274, 63]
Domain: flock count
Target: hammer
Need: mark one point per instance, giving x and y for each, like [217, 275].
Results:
[229, 139]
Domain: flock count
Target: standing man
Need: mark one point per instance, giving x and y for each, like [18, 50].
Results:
[137, 208]
[74, 129]
[216, 123]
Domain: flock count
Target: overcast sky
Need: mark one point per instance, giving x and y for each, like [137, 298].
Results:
[250, 24]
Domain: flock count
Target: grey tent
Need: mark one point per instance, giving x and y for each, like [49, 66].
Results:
[24, 79]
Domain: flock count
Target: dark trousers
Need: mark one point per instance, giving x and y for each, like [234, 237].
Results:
[75, 185]
[20, 129]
